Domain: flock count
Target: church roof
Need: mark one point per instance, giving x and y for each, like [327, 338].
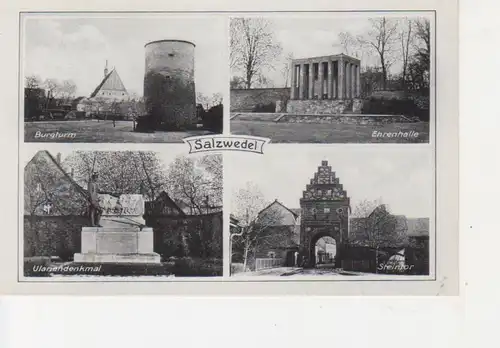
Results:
[111, 82]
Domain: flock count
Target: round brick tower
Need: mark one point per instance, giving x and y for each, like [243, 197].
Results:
[169, 91]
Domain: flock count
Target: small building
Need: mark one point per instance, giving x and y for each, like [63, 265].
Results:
[55, 208]
[324, 85]
[180, 234]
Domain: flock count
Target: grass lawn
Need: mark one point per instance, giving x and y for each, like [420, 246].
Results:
[93, 131]
[329, 133]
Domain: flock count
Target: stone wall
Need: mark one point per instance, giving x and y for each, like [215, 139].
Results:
[318, 107]
[247, 100]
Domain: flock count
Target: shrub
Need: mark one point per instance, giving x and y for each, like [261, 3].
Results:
[213, 119]
[395, 103]
[195, 267]
[31, 262]
[270, 107]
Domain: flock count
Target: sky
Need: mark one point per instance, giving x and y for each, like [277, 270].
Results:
[318, 35]
[401, 176]
[75, 47]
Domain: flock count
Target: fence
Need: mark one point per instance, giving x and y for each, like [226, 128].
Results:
[267, 263]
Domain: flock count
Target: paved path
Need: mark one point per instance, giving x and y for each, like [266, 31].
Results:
[293, 272]
[279, 271]
[99, 132]
[328, 133]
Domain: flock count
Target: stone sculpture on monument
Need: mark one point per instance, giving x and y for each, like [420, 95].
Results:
[119, 235]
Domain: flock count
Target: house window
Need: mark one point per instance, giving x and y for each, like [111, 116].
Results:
[326, 210]
[38, 187]
[271, 255]
[329, 192]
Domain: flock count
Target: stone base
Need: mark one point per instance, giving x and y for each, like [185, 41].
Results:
[118, 258]
[318, 107]
[117, 245]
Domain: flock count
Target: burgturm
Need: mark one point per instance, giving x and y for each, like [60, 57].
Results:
[321, 82]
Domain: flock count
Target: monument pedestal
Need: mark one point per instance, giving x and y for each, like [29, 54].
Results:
[117, 245]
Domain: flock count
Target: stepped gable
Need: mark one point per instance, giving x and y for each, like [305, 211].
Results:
[325, 186]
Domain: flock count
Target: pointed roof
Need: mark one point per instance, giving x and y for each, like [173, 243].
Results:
[53, 162]
[276, 202]
[111, 82]
[164, 198]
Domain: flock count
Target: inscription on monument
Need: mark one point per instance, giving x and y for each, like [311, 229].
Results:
[117, 243]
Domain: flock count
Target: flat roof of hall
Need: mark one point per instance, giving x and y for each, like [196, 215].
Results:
[341, 55]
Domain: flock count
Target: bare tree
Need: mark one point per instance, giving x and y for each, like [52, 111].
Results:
[256, 224]
[197, 183]
[287, 69]
[237, 82]
[381, 39]
[252, 47]
[67, 90]
[53, 88]
[405, 39]
[32, 82]
[212, 164]
[419, 64]
[374, 226]
[350, 45]
[120, 172]
[423, 35]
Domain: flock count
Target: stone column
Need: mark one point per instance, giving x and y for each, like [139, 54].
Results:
[335, 80]
[353, 80]
[347, 73]
[358, 81]
[292, 81]
[311, 80]
[330, 80]
[321, 80]
[341, 78]
[302, 81]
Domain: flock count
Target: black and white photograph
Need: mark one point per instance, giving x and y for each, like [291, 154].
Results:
[356, 77]
[104, 78]
[121, 214]
[343, 213]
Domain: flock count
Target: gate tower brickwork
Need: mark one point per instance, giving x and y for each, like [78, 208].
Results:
[325, 212]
